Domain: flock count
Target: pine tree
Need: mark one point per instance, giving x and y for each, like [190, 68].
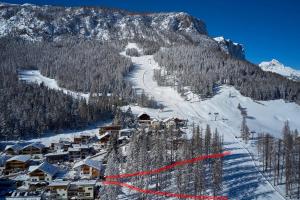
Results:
[111, 192]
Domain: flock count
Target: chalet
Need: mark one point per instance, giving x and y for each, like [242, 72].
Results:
[82, 139]
[83, 189]
[174, 122]
[89, 168]
[169, 122]
[144, 118]
[42, 172]
[17, 163]
[59, 189]
[104, 138]
[110, 128]
[13, 149]
[61, 145]
[155, 123]
[33, 148]
[80, 151]
[57, 157]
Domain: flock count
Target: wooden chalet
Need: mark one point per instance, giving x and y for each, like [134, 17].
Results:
[89, 168]
[33, 148]
[82, 139]
[42, 172]
[17, 163]
[57, 157]
[144, 118]
[14, 149]
[77, 152]
[110, 128]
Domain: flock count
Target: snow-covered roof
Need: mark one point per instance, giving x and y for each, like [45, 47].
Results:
[21, 158]
[36, 145]
[57, 153]
[168, 119]
[125, 130]
[96, 164]
[59, 183]
[84, 182]
[108, 133]
[142, 113]
[15, 147]
[46, 168]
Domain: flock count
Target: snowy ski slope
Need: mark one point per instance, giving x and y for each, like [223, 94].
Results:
[242, 176]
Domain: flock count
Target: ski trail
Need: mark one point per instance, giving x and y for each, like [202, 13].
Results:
[242, 177]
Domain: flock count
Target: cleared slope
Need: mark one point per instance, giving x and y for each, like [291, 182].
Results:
[243, 179]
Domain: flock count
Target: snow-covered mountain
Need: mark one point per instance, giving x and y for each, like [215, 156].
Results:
[277, 67]
[53, 23]
[235, 49]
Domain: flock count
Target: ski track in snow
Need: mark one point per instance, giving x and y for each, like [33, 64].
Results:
[34, 76]
[242, 176]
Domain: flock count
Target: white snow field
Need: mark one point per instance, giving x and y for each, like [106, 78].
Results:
[34, 76]
[242, 176]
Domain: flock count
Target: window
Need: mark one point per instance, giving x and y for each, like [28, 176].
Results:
[87, 194]
[90, 188]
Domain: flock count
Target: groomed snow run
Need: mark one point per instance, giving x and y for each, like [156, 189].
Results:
[34, 76]
[242, 177]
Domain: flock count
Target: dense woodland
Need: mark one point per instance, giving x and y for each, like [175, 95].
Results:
[158, 148]
[204, 67]
[281, 159]
[27, 110]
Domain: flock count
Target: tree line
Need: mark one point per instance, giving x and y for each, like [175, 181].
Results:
[158, 148]
[28, 110]
[204, 67]
[280, 158]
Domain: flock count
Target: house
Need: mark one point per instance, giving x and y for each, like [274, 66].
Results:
[144, 118]
[89, 168]
[42, 172]
[104, 138]
[13, 149]
[57, 157]
[33, 148]
[80, 151]
[82, 139]
[169, 122]
[155, 123]
[61, 145]
[59, 189]
[83, 189]
[110, 128]
[17, 163]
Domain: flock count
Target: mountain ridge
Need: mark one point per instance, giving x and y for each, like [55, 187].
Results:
[277, 67]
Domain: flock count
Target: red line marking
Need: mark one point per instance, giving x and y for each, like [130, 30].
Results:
[168, 167]
[167, 194]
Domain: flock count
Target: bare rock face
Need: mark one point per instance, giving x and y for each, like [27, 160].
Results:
[230, 47]
[54, 23]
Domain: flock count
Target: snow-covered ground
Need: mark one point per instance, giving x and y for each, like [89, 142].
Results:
[34, 76]
[243, 179]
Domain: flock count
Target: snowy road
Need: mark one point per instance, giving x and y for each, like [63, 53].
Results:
[242, 179]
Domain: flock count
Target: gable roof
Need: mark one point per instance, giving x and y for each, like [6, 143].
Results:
[15, 147]
[21, 158]
[45, 167]
[96, 164]
[59, 183]
[36, 145]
